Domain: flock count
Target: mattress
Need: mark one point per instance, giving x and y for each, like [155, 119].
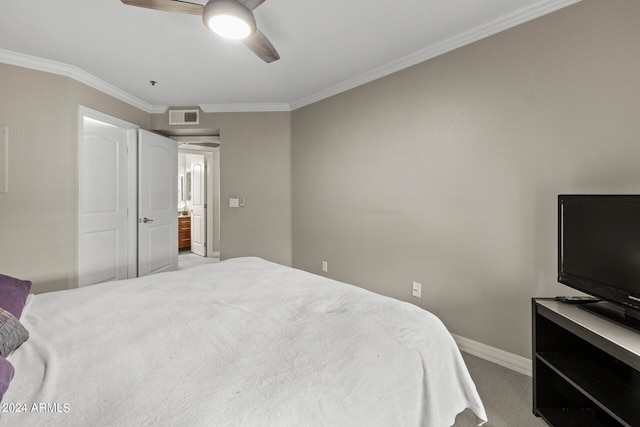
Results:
[243, 342]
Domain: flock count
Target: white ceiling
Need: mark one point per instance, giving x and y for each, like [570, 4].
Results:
[326, 46]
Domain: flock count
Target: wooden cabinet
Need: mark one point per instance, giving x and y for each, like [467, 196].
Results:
[184, 232]
[586, 369]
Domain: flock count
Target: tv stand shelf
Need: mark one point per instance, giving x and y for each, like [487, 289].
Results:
[586, 369]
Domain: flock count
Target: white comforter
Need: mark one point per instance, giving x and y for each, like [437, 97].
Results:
[244, 342]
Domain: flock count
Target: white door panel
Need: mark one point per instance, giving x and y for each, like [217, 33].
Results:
[101, 254]
[118, 176]
[157, 203]
[198, 202]
[160, 252]
[103, 250]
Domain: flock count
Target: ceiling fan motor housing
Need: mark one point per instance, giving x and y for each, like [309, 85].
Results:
[228, 8]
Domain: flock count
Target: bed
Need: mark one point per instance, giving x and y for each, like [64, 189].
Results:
[243, 342]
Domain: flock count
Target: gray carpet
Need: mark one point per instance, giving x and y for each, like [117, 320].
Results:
[506, 395]
[189, 259]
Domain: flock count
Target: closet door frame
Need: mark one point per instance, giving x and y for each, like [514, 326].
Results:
[131, 176]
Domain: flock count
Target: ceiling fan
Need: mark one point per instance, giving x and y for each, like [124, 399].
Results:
[229, 18]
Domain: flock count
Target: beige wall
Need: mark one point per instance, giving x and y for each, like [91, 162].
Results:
[255, 163]
[38, 213]
[38, 216]
[447, 173]
[38, 227]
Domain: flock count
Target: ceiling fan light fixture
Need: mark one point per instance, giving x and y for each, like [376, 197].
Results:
[229, 26]
[229, 18]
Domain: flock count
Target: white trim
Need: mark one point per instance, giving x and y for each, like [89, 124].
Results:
[499, 357]
[41, 64]
[453, 42]
[132, 172]
[132, 146]
[244, 108]
[159, 109]
[59, 68]
[97, 115]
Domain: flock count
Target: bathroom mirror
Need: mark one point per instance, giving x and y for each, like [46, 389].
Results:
[187, 191]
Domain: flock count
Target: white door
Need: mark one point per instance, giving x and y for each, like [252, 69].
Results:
[105, 251]
[198, 204]
[157, 203]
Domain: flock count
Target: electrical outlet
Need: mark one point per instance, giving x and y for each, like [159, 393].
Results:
[417, 289]
[325, 266]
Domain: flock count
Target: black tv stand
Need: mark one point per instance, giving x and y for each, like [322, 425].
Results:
[586, 369]
[626, 317]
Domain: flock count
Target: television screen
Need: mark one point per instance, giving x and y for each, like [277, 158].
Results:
[599, 246]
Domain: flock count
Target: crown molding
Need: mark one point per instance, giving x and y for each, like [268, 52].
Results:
[159, 109]
[486, 29]
[244, 108]
[46, 65]
[453, 42]
[59, 68]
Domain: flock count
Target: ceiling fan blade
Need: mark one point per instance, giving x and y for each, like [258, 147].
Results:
[251, 4]
[261, 46]
[168, 6]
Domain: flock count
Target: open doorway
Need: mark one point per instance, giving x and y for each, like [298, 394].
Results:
[198, 199]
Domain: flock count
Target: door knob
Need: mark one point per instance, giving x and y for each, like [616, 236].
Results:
[146, 220]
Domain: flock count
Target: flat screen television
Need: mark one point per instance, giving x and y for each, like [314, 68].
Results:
[599, 252]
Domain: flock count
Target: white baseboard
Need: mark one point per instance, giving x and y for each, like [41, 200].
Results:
[500, 357]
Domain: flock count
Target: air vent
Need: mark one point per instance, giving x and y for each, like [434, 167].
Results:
[184, 117]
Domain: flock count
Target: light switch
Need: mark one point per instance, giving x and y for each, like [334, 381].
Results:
[234, 202]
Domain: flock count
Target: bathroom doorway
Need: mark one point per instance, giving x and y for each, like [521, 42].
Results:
[199, 195]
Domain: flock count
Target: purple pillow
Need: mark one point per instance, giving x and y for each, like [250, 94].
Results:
[6, 374]
[13, 294]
